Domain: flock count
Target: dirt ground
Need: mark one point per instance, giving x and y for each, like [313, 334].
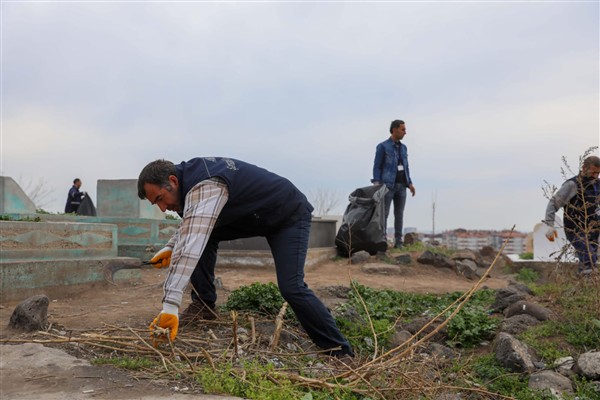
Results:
[135, 304]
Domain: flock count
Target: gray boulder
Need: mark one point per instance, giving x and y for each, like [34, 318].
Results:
[404, 259]
[525, 307]
[512, 354]
[518, 324]
[360, 257]
[31, 314]
[506, 297]
[468, 269]
[588, 365]
[550, 381]
[382, 269]
[435, 259]
[400, 337]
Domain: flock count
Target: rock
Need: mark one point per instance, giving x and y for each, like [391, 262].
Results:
[506, 297]
[588, 365]
[443, 261]
[411, 238]
[404, 259]
[468, 269]
[525, 307]
[400, 337]
[339, 291]
[518, 324]
[382, 269]
[418, 323]
[488, 251]
[439, 351]
[31, 314]
[520, 287]
[466, 254]
[218, 282]
[550, 381]
[564, 366]
[360, 257]
[435, 259]
[426, 257]
[512, 354]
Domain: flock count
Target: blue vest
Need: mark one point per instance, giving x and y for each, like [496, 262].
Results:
[259, 200]
[584, 202]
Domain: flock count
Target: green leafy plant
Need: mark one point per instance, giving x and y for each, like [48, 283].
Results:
[259, 297]
[470, 326]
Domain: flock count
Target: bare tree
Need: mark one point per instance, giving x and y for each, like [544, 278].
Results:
[37, 191]
[324, 201]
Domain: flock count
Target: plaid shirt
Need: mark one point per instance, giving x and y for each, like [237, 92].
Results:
[203, 204]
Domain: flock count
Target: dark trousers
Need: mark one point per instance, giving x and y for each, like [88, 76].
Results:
[398, 195]
[586, 248]
[289, 246]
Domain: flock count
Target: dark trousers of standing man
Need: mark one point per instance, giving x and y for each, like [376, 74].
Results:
[397, 194]
[586, 248]
[289, 246]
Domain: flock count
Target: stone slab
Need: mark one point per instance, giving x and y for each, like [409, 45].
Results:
[12, 198]
[263, 258]
[21, 279]
[21, 240]
[118, 198]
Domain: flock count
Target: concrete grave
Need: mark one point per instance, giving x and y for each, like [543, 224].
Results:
[118, 198]
[13, 199]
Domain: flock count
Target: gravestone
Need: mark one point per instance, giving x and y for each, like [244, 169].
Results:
[13, 199]
[118, 198]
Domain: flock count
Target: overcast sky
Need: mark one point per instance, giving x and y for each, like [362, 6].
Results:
[494, 94]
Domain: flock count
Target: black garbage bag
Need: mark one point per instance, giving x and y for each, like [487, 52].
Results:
[363, 224]
[86, 207]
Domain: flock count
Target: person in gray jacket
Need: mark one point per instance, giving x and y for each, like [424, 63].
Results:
[580, 198]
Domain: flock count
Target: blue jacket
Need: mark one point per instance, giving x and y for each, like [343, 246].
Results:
[259, 200]
[385, 166]
[73, 200]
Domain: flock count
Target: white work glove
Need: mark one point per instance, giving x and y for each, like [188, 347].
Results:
[551, 234]
[162, 258]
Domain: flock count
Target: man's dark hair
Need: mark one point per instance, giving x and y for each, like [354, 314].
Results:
[589, 161]
[76, 180]
[396, 123]
[156, 173]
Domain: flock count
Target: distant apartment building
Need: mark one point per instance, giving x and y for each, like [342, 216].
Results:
[477, 239]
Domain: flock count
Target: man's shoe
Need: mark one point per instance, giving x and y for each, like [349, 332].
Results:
[197, 311]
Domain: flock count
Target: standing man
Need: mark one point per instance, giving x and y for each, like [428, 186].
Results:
[391, 168]
[74, 197]
[226, 199]
[580, 197]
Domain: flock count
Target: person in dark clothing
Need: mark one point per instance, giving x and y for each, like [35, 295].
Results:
[390, 168]
[74, 197]
[580, 197]
[225, 199]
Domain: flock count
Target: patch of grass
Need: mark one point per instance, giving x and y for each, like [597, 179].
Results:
[527, 275]
[5, 217]
[254, 380]
[126, 362]
[526, 256]
[543, 339]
